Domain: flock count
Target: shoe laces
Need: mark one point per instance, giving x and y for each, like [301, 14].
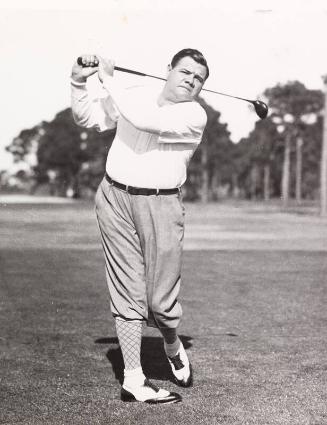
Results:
[149, 384]
[177, 362]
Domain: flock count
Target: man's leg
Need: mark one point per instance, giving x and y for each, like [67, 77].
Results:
[172, 342]
[129, 333]
[125, 278]
[160, 224]
[177, 357]
[136, 387]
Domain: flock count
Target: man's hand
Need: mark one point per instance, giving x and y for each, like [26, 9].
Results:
[106, 68]
[90, 66]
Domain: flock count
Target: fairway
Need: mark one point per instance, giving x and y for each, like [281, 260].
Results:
[254, 325]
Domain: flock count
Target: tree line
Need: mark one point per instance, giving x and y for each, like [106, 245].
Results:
[279, 158]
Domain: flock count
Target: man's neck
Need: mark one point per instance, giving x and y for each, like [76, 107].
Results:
[164, 100]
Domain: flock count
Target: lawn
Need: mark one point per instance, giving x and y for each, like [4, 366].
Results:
[254, 300]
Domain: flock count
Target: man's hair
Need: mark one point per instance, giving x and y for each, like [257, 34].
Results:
[192, 53]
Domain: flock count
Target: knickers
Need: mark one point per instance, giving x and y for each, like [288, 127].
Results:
[142, 238]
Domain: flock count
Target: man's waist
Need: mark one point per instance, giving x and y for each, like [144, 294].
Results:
[145, 191]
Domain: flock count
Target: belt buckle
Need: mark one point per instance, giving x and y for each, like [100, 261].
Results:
[127, 188]
[157, 192]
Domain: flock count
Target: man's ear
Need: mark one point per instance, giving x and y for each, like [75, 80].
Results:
[169, 68]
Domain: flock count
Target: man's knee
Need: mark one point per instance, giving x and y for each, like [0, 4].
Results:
[166, 314]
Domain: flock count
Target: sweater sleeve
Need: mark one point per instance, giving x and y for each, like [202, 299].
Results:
[99, 113]
[181, 122]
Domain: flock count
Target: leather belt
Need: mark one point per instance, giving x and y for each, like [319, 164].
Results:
[141, 190]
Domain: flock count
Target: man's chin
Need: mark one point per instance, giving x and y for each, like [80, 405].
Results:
[184, 97]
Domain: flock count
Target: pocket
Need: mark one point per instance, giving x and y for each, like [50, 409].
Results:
[181, 203]
[180, 210]
[99, 193]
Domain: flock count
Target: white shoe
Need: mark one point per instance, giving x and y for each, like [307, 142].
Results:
[181, 368]
[149, 393]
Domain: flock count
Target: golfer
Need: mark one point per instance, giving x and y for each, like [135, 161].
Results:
[139, 206]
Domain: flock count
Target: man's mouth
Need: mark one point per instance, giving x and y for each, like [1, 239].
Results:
[186, 88]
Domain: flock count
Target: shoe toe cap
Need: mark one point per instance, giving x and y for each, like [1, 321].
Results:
[185, 381]
[171, 398]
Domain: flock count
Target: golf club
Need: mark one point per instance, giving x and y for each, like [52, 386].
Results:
[260, 107]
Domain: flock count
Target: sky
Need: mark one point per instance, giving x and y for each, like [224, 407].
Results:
[249, 45]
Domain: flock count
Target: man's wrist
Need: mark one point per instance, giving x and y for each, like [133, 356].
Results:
[107, 81]
[78, 81]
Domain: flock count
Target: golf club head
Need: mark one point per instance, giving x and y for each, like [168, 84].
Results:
[261, 108]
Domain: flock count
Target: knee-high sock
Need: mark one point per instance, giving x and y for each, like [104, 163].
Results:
[172, 342]
[129, 334]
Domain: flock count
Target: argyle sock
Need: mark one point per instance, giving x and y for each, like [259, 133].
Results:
[172, 342]
[129, 334]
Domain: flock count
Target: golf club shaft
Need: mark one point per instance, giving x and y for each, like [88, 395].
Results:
[142, 74]
[130, 71]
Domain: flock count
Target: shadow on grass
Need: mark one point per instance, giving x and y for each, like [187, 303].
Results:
[154, 361]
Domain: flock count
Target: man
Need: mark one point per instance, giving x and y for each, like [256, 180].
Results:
[139, 207]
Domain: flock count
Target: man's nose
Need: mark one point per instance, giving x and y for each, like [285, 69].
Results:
[190, 80]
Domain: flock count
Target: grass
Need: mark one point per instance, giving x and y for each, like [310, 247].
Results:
[254, 300]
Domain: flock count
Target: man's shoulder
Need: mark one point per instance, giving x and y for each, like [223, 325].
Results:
[145, 93]
[146, 88]
[190, 104]
[193, 108]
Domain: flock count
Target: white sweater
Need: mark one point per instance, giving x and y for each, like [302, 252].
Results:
[153, 158]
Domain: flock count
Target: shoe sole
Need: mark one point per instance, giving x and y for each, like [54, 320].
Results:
[126, 396]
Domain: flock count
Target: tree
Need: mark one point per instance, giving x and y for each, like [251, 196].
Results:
[68, 157]
[291, 104]
[211, 166]
[73, 154]
[25, 143]
[254, 158]
[323, 167]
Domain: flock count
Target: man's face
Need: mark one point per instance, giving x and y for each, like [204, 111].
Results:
[185, 80]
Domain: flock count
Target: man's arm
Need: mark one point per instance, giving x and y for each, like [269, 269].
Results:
[99, 113]
[133, 108]
[180, 122]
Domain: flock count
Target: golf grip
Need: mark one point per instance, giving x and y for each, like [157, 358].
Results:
[117, 68]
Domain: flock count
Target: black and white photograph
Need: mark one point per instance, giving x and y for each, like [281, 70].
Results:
[163, 212]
